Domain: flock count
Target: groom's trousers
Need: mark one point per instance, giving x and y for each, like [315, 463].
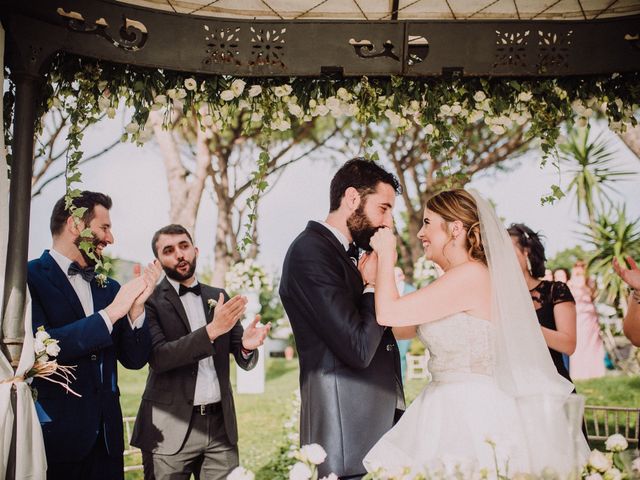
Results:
[206, 452]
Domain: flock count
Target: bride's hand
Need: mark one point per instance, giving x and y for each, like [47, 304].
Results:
[383, 241]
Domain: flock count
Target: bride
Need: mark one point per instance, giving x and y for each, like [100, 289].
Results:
[496, 400]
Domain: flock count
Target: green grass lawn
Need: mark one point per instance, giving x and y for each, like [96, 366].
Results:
[261, 418]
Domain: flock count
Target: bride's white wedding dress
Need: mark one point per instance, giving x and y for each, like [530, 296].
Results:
[462, 418]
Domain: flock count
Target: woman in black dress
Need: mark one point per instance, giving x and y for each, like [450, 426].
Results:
[554, 304]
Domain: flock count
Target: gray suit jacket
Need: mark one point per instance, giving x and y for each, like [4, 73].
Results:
[167, 402]
[350, 381]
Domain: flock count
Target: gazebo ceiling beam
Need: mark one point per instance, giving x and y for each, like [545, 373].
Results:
[134, 35]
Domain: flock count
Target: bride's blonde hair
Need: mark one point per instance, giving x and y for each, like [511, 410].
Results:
[458, 204]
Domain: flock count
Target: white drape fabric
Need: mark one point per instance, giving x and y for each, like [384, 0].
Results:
[31, 462]
[550, 413]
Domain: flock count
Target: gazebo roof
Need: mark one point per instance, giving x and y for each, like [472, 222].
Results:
[368, 10]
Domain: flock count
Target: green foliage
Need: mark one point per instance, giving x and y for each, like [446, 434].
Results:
[593, 169]
[612, 235]
[568, 257]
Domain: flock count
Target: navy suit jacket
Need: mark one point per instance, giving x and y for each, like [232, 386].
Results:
[70, 424]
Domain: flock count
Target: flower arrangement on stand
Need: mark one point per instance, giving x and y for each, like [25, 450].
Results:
[46, 349]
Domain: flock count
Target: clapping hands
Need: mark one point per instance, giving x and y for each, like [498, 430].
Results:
[255, 334]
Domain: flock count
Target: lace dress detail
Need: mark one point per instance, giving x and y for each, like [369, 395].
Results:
[459, 344]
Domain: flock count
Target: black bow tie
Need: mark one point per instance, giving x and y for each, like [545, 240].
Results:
[87, 273]
[354, 252]
[183, 290]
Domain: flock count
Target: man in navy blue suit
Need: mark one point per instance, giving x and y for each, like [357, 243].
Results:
[96, 323]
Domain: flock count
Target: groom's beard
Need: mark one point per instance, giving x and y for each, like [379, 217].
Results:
[95, 241]
[361, 228]
[174, 274]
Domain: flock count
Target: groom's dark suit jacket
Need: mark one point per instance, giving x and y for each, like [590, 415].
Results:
[350, 380]
[165, 412]
[70, 424]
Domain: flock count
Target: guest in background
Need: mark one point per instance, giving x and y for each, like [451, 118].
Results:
[631, 276]
[403, 345]
[588, 359]
[554, 304]
[548, 275]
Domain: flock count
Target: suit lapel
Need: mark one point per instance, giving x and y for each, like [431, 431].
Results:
[328, 234]
[172, 297]
[60, 280]
[207, 294]
[101, 296]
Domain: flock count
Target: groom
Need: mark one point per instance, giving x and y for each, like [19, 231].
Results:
[350, 379]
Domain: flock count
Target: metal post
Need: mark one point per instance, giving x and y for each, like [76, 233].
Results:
[19, 209]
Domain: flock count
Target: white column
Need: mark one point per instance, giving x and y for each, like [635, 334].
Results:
[252, 381]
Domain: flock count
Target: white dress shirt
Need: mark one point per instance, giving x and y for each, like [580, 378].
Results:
[83, 290]
[207, 385]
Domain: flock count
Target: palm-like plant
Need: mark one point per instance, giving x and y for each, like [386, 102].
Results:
[612, 235]
[593, 169]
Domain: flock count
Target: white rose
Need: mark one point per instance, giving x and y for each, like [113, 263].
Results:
[333, 104]
[53, 349]
[312, 103]
[255, 90]
[613, 474]
[181, 93]
[599, 461]
[429, 129]
[42, 335]
[132, 127]
[300, 471]
[240, 473]
[479, 96]
[295, 110]
[111, 112]
[102, 84]
[331, 476]
[256, 116]
[281, 124]
[343, 94]
[282, 90]
[172, 92]
[322, 110]
[38, 346]
[394, 119]
[227, 95]
[207, 120]
[497, 129]
[445, 109]
[161, 99]
[314, 453]
[237, 87]
[616, 443]
[635, 465]
[525, 96]
[190, 84]
[456, 109]
[593, 476]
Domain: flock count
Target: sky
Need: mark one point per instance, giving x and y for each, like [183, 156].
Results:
[135, 179]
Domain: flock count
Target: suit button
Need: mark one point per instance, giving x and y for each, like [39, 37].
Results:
[94, 357]
[389, 347]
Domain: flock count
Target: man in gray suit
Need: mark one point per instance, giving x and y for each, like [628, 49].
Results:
[186, 423]
[350, 382]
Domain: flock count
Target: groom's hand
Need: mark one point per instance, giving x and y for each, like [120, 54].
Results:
[226, 315]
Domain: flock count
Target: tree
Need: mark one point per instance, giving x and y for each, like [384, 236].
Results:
[195, 154]
[593, 169]
[568, 257]
[612, 235]
[51, 149]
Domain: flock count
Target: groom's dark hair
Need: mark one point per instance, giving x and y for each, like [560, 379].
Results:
[363, 175]
[173, 229]
[87, 200]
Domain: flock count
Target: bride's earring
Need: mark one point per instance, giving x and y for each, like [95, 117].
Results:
[528, 265]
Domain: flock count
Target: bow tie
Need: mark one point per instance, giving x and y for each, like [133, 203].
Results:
[87, 273]
[354, 252]
[182, 290]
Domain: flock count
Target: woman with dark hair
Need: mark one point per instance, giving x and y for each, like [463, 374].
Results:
[553, 301]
